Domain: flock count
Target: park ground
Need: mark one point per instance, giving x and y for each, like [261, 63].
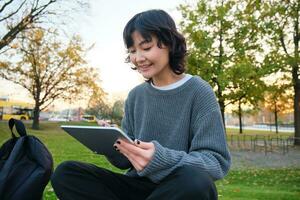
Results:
[253, 176]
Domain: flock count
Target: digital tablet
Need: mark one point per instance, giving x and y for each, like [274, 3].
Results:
[97, 138]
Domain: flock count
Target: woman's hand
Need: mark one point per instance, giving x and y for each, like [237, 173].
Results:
[102, 122]
[139, 154]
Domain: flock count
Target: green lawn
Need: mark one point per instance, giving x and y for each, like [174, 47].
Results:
[250, 184]
[235, 131]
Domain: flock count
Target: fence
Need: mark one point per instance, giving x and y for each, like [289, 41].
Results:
[258, 143]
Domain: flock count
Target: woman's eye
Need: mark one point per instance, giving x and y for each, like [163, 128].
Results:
[131, 51]
[147, 49]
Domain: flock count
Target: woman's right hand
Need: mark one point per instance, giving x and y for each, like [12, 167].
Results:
[101, 122]
[139, 154]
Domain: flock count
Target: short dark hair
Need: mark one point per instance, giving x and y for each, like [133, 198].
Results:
[159, 23]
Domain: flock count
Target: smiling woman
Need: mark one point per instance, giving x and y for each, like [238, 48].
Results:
[180, 146]
[158, 57]
[150, 60]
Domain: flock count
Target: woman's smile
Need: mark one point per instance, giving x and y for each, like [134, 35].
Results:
[144, 68]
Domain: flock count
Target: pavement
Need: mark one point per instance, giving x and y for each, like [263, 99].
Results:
[244, 159]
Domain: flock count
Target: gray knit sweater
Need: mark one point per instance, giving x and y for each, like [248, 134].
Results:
[184, 124]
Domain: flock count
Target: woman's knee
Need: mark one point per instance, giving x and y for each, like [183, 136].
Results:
[72, 178]
[195, 183]
[61, 172]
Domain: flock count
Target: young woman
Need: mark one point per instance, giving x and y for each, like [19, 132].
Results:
[180, 146]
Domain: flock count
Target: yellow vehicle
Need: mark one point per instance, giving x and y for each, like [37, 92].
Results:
[88, 118]
[15, 109]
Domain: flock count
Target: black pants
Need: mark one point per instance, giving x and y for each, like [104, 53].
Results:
[75, 180]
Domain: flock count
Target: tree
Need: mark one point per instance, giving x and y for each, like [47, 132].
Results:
[19, 15]
[16, 16]
[280, 24]
[117, 111]
[49, 69]
[242, 110]
[222, 35]
[99, 107]
[245, 88]
[97, 104]
[278, 99]
[206, 26]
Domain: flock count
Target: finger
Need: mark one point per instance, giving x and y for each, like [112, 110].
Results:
[123, 150]
[102, 122]
[123, 140]
[133, 160]
[120, 142]
[144, 145]
[129, 148]
[135, 153]
[126, 144]
[135, 164]
[141, 156]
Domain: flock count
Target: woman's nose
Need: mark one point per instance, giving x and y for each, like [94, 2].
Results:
[139, 57]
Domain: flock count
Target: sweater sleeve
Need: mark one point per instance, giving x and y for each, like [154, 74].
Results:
[121, 161]
[208, 151]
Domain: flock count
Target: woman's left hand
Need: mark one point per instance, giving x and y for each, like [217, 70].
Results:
[139, 154]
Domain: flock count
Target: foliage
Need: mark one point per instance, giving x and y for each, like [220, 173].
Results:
[278, 96]
[97, 105]
[17, 16]
[280, 22]
[245, 88]
[207, 28]
[118, 111]
[49, 69]
[223, 39]
[234, 45]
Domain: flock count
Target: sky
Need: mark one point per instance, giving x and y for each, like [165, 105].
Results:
[102, 25]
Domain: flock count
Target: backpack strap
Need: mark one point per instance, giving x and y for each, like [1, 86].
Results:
[19, 127]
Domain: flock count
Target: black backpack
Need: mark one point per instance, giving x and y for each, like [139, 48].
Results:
[25, 166]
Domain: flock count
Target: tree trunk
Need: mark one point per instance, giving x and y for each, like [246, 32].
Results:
[36, 115]
[36, 111]
[240, 118]
[297, 112]
[295, 75]
[222, 108]
[276, 118]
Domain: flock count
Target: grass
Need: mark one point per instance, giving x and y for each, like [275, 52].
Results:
[262, 184]
[247, 184]
[232, 131]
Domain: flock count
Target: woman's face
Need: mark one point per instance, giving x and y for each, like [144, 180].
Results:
[150, 60]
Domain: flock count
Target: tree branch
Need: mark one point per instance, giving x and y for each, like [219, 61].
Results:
[6, 4]
[283, 44]
[15, 81]
[13, 13]
[53, 96]
[27, 20]
[52, 73]
[48, 104]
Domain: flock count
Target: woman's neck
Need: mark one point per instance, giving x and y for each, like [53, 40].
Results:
[166, 79]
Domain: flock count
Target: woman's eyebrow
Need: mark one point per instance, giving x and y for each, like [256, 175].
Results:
[144, 42]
